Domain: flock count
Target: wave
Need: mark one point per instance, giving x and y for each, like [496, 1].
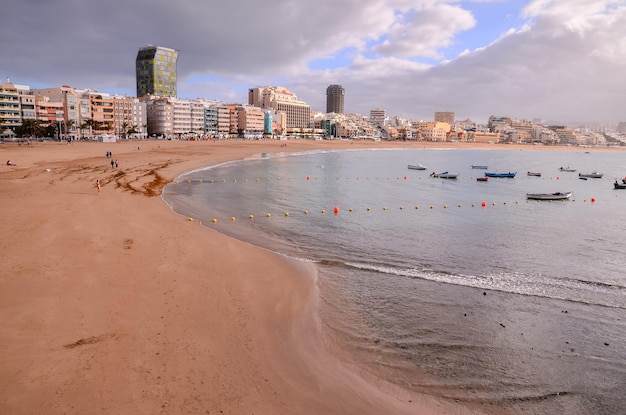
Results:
[565, 289]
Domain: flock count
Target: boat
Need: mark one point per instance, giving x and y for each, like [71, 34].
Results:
[417, 167]
[509, 174]
[549, 196]
[444, 175]
[478, 166]
[533, 173]
[567, 169]
[482, 179]
[592, 175]
[618, 185]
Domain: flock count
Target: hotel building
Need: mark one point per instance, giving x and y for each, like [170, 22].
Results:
[277, 98]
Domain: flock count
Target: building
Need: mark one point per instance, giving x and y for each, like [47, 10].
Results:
[447, 117]
[10, 117]
[334, 99]
[378, 116]
[155, 70]
[278, 98]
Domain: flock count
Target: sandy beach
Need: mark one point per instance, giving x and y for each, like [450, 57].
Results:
[113, 304]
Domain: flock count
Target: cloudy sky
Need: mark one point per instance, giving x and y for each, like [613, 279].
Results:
[557, 60]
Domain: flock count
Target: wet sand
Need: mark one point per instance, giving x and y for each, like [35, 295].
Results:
[113, 304]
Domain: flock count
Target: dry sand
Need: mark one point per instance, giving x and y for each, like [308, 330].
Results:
[110, 303]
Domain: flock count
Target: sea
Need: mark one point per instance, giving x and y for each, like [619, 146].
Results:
[462, 289]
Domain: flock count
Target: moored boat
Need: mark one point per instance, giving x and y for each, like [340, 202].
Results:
[444, 175]
[618, 185]
[592, 175]
[549, 196]
[417, 167]
[533, 173]
[482, 179]
[478, 166]
[567, 169]
[509, 174]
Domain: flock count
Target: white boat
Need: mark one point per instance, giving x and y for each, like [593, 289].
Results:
[592, 175]
[549, 196]
[417, 167]
[444, 175]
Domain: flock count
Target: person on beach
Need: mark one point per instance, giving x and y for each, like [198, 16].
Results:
[10, 164]
[112, 163]
[116, 164]
[98, 185]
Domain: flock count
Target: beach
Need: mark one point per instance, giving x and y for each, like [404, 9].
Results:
[113, 304]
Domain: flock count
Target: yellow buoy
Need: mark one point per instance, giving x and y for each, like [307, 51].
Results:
[232, 218]
[384, 208]
[368, 209]
[323, 211]
[350, 210]
[306, 212]
[286, 213]
[190, 219]
[417, 207]
[268, 215]
[251, 216]
[214, 220]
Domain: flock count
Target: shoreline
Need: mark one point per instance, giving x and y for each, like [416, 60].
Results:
[113, 303]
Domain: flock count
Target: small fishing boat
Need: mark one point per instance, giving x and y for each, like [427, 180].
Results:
[592, 175]
[444, 175]
[478, 166]
[533, 173]
[618, 185]
[567, 169]
[549, 196]
[482, 179]
[417, 167]
[509, 174]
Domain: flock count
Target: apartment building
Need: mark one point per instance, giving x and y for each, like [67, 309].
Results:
[10, 117]
[159, 116]
[251, 121]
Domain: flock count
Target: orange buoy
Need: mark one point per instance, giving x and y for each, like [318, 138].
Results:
[308, 177]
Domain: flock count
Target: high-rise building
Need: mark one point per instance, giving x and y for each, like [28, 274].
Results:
[445, 117]
[334, 99]
[278, 98]
[155, 69]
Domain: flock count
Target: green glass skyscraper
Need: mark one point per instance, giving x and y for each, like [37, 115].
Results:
[155, 69]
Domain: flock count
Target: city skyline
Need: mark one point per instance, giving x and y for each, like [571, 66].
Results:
[558, 60]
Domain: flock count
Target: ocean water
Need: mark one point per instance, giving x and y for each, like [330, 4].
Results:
[457, 288]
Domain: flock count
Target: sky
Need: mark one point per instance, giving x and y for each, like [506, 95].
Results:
[560, 61]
